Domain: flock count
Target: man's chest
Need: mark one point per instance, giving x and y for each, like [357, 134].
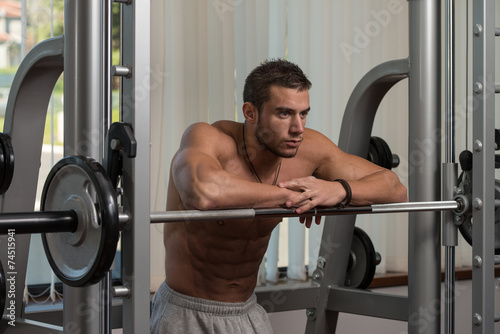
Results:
[289, 169]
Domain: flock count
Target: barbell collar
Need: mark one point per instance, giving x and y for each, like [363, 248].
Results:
[38, 222]
[121, 291]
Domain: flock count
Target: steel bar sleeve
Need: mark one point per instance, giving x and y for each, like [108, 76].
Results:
[38, 222]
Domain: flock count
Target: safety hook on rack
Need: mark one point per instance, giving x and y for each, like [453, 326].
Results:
[120, 139]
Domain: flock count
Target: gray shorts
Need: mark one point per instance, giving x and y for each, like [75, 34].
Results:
[175, 313]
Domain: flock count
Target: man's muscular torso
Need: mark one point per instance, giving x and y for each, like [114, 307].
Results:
[219, 260]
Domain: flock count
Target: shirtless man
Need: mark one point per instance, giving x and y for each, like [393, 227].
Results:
[270, 160]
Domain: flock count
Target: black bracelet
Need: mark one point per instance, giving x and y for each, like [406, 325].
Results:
[348, 191]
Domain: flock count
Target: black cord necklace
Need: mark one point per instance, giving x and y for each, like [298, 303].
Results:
[251, 165]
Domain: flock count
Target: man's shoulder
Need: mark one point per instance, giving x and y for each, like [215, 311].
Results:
[217, 136]
[222, 127]
[315, 138]
[316, 147]
[227, 127]
[206, 130]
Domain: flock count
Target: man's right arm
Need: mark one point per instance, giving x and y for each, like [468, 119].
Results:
[202, 182]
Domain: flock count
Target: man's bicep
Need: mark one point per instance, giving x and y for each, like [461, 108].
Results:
[193, 165]
[195, 175]
[196, 160]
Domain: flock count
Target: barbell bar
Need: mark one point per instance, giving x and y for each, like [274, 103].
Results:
[229, 214]
[81, 224]
[67, 221]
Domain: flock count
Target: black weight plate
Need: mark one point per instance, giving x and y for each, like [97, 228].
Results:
[7, 163]
[379, 152]
[466, 231]
[85, 256]
[363, 261]
[466, 227]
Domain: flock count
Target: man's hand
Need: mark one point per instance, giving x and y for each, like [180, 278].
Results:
[313, 193]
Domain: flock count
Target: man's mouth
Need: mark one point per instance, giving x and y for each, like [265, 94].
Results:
[293, 143]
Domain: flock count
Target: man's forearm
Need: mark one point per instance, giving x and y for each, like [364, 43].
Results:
[225, 190]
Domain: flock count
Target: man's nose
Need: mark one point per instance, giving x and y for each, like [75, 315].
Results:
[297, 125]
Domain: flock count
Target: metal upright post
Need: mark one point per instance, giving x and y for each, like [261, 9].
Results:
[135, 108]
[424, 146]
[450, 233]
[354, 138]
[106, 299]
[483, 171]
[85, 126]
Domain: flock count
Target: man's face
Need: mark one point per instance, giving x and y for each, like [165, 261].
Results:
[281, 121]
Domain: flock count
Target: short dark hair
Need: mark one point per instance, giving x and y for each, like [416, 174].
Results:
[276, 72]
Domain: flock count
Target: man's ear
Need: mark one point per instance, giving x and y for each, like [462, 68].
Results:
[250, 112]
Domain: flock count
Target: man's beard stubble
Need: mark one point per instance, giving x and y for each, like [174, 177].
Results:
[266, 136]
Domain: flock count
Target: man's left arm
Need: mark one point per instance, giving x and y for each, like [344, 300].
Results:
[368, 182]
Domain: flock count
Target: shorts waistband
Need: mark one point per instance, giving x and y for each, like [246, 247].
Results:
[205, 305]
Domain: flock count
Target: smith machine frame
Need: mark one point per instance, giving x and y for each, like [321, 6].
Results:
[83, 53]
